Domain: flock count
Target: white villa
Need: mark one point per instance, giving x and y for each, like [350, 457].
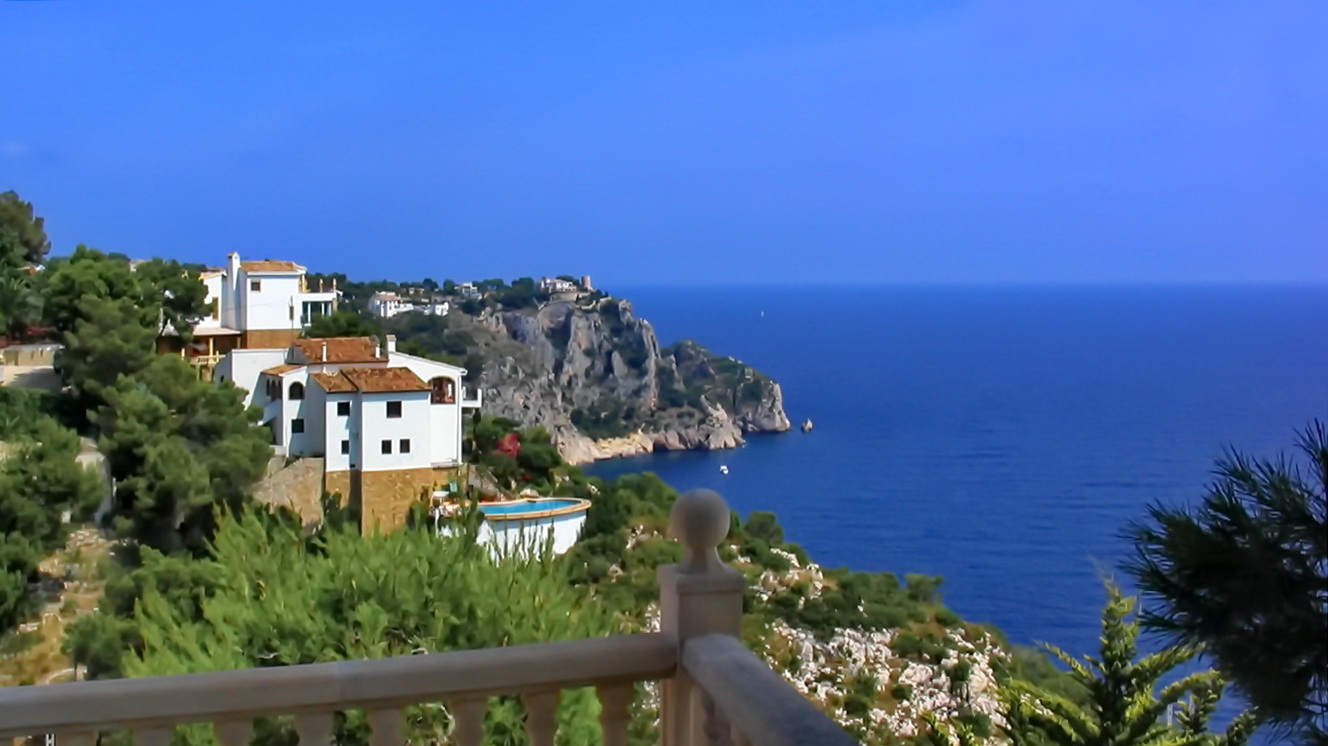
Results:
[386, 304]
[386, 424]
[256, 304]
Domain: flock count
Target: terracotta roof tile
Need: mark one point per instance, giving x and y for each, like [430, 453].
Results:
[271, 265]
[381, 380]
[279, 369]
[340, 350]
[333, 383]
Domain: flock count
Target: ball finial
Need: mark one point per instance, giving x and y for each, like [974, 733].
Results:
[700, 520]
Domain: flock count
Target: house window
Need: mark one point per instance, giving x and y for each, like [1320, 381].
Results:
[442, 390]
[343, 409]
[345, 447]
[387, 447]
[297, 425]
[296, 391]
[255, 285]
[403, 445]
[393, 411]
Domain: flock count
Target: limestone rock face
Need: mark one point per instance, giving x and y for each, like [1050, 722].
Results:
[594, 374]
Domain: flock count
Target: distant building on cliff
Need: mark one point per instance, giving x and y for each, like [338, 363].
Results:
[255, 305]
[386, 304]
[386, 424]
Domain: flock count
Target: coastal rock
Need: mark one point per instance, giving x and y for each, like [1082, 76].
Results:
[595, 376]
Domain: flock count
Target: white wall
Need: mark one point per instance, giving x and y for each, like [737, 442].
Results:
[339, 428]
[271, 306]
[213, 284]
[375, 427]
[309, 442]
[520, 536]
[444, 419]
[243, 367]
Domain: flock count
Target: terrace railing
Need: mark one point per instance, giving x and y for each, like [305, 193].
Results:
[472, 397]
[714, 690]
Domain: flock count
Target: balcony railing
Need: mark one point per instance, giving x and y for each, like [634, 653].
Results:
[472, 397]
[714, 690]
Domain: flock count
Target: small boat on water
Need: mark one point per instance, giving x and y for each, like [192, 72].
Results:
[807, 425]
[723, 469]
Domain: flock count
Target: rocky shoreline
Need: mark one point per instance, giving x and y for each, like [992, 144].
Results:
[595, 376]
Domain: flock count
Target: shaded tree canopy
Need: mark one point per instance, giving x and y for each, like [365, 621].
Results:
[22, 234]
[342, 324]
[168, 294]
[39, 480]
[1245, 573]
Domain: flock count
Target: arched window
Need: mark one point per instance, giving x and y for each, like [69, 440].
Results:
[296, 390]
[442, 390]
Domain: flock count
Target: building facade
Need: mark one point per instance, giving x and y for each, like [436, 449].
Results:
[255, 305]
[386, 304]
[386, 424]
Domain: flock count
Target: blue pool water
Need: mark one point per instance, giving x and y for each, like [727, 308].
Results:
[538, 506]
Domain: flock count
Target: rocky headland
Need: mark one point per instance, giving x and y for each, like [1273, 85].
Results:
[595, 375]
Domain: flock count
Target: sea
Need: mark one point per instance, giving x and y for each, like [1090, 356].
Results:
[1000, 437]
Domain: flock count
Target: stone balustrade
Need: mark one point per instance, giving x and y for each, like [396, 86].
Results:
[714, 690]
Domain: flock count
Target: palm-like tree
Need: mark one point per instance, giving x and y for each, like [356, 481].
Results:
[20, 304]
[1246, 575]
[1124, 706]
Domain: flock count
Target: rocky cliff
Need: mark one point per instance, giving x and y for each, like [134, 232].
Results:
[595, 375]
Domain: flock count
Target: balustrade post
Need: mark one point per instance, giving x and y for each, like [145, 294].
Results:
[698, 596]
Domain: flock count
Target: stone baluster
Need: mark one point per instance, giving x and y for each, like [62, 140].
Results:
[615, 712]
[541, 716]
[314, 728]
[698, 596]
[388, 726]
[468, 720]
[234, 732]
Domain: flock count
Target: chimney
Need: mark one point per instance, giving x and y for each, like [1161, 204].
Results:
[391, 343]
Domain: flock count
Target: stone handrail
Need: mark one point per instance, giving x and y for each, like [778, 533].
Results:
[463, 679]
[741, 691]
[714, 691]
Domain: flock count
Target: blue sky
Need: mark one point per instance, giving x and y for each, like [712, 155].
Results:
[682, 142]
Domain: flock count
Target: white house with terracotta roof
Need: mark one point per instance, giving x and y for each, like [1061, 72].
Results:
[257, 304]
[387, 424]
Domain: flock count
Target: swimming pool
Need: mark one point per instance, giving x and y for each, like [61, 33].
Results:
[524, 508]
[532, 524]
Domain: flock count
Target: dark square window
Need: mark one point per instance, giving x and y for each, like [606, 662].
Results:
[256, 285]
[403, 446]
[394, 409]
[345, 446]
[343, 409]
[387, 447]
[297, 425]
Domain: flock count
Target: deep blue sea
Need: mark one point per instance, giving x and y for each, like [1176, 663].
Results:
[998, 436]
